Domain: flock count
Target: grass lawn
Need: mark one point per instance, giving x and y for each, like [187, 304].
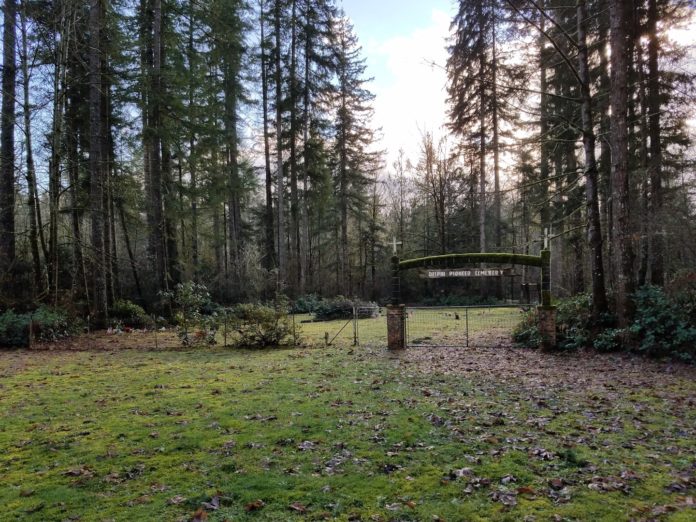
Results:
[343, 433]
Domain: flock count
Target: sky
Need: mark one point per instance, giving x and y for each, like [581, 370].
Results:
[401, 39]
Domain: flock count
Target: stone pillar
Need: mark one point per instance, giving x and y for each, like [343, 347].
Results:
[396, 327]
[547, 327]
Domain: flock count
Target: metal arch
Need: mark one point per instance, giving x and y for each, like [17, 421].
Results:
[452, 260]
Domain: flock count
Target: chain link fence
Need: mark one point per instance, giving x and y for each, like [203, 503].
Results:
[462, 326]
[347, 324]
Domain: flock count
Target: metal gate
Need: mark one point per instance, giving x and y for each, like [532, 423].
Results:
[462, 326]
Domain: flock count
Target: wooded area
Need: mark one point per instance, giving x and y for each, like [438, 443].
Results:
[146, 143]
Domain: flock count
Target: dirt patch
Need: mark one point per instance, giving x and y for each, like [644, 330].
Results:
[580, 370]
[103, 341]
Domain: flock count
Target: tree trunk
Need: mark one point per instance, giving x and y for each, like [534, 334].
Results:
[80, 287]
[497, 200]
[482, 143]
[173, 276]
[99, 298]
[192, 151]
[268, 210]
[295, 238]
[544, 167]
[657, 269]
[604, 166]
[280, 184]
[623, 255]
[153, 142]
[107, 162]
[7, 156]
[234, 226]
[129, 249]
[33, 200]
[594, 230]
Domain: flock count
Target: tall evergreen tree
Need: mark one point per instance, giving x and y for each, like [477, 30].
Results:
[356, 160]
[7, 141]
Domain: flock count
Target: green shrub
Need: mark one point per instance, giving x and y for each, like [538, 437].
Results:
[14, 330]
[661, 326]
[574, 322]
[526, 332]
[130, 314]
[262, 326]
[609, 340]
[342, 308]
[306, 304]
[574, 325]
[47, 325]
[682, 291]
[195, 316]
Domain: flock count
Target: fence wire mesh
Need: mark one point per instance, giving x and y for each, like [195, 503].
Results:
[362, 323]
[462, 326]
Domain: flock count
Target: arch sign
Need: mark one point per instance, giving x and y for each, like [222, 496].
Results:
[450, 265]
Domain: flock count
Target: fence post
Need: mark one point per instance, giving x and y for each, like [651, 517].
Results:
[396, 331]
[396, 312]
[355, 325]
[30, 333]
[224, 334]
[294, 330]
[546, 312]
[466, 326]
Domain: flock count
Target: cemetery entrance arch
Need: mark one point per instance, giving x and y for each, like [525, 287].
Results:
[401, 320]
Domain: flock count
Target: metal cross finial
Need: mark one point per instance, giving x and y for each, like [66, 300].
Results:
[395, 243]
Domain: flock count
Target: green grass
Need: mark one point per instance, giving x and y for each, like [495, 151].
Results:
[343, 433]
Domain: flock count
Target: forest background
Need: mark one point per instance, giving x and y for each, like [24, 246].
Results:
[232, 143]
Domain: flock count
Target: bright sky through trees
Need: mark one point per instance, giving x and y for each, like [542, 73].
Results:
[404, 43]
[402, 40]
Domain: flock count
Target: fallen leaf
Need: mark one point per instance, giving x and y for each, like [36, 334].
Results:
[254, 506]
[556, 483]
[297, 507]
[213, 505]
[526, 490]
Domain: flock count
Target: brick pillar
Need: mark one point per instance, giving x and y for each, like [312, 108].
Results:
[547, 327]
[396, 327]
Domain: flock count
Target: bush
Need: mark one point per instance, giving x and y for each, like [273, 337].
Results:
[682, 291]
[526, 333]
[574, 322]
[196, 315]
[661, 326]
[130, 314]
[609, 340]
[262, 326]
[47, 324]
[14, 330]
[573, 325]
[306, 304]
[342, 308]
